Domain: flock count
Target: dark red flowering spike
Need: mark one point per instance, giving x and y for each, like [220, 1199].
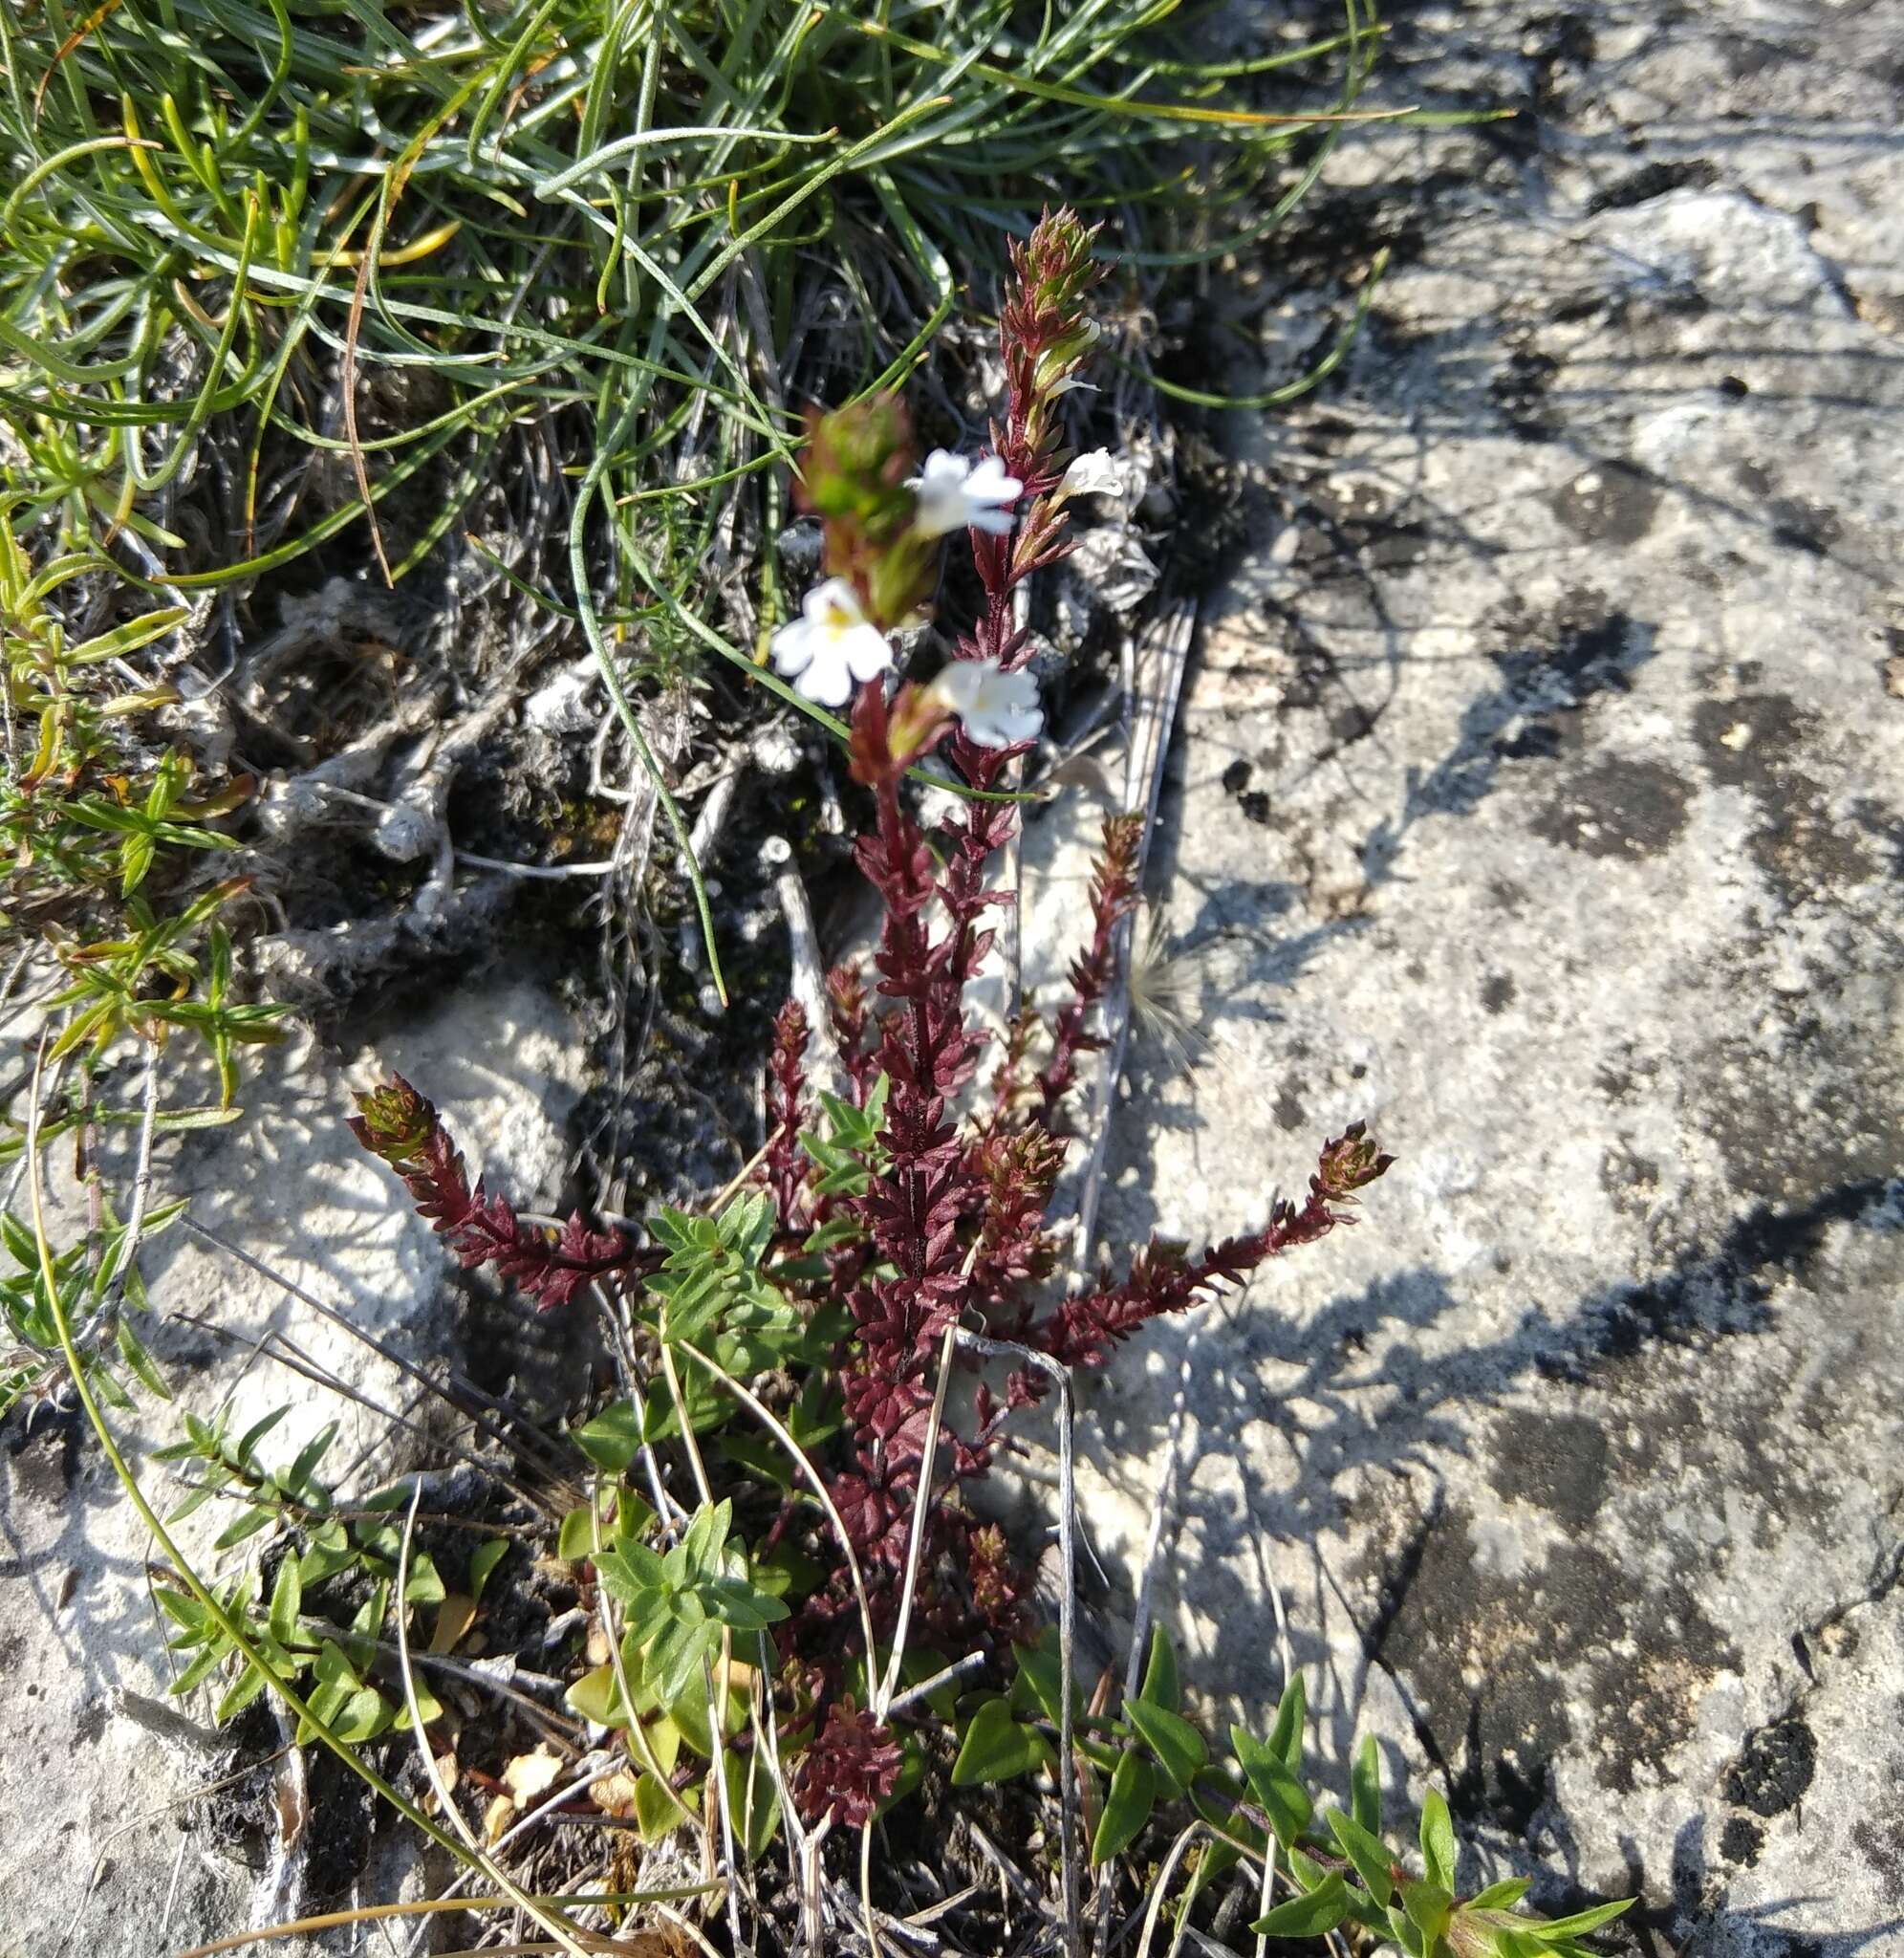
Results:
[1113, 896]
[401, 1126]
[786, 1165]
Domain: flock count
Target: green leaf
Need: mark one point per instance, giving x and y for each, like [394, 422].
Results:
[330, 1550]
[483, 1561]
[1427, 1906]
[428, 1704]
[255, 1433]
[735, 1602]
[1285, 1737]
[1311, 1916]
[1578, 1925]
[248, 1523]
[597, 1697]
[287, 1601]
[251, 1682]
[297, 1477]
[575, 1540]
[1368, 1853]
[135, 1357]
[634, 1574]
[424, 1585]
[656, 1813]
[1041, 1674]
[207, 1657]
[675, 1660]
[1282, 1797]
[1161, 1682]
[365, 1715]
[705, 1537]
[1501, 1896]
[1126, 1808]
[613, 1439]
[1177, 1745]
[1365, 1787]
[996, 1747]
[1440, 1851]
[753, 1803]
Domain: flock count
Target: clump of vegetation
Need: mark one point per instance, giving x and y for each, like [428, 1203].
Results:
[114, 909]
[810, 1621]
[528, 302]
[523, 304]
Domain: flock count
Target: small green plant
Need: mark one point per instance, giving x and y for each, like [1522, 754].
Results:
[348, 1561]
[1253, 1806]
[104, 838]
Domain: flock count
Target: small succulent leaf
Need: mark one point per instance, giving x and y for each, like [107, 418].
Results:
[1282, 1797]
[1312, 1915]
[1179, 1749]
[1127, 1807]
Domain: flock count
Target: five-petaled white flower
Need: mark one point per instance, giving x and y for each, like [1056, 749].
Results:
[954, 494]
[1093, 474]
[831, 646]
[996, 709]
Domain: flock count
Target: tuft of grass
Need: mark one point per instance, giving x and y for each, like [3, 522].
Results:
[528, 297]
[268, 272]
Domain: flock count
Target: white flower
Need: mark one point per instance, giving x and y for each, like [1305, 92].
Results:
[831, 646]
[954, 494]
[997, 708]
[1093, 474]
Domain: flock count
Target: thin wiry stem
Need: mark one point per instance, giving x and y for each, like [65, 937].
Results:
[550, 1921]
[1060, 1377]
[921, 1507]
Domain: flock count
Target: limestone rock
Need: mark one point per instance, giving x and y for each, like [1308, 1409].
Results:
[1539, 795]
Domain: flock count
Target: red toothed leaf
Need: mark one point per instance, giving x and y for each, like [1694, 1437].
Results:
[850, 1769]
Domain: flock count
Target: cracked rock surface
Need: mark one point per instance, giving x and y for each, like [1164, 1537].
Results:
[1539, 795]
[117, 1843]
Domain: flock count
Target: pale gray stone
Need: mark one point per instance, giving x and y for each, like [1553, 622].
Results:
[1539, 797]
